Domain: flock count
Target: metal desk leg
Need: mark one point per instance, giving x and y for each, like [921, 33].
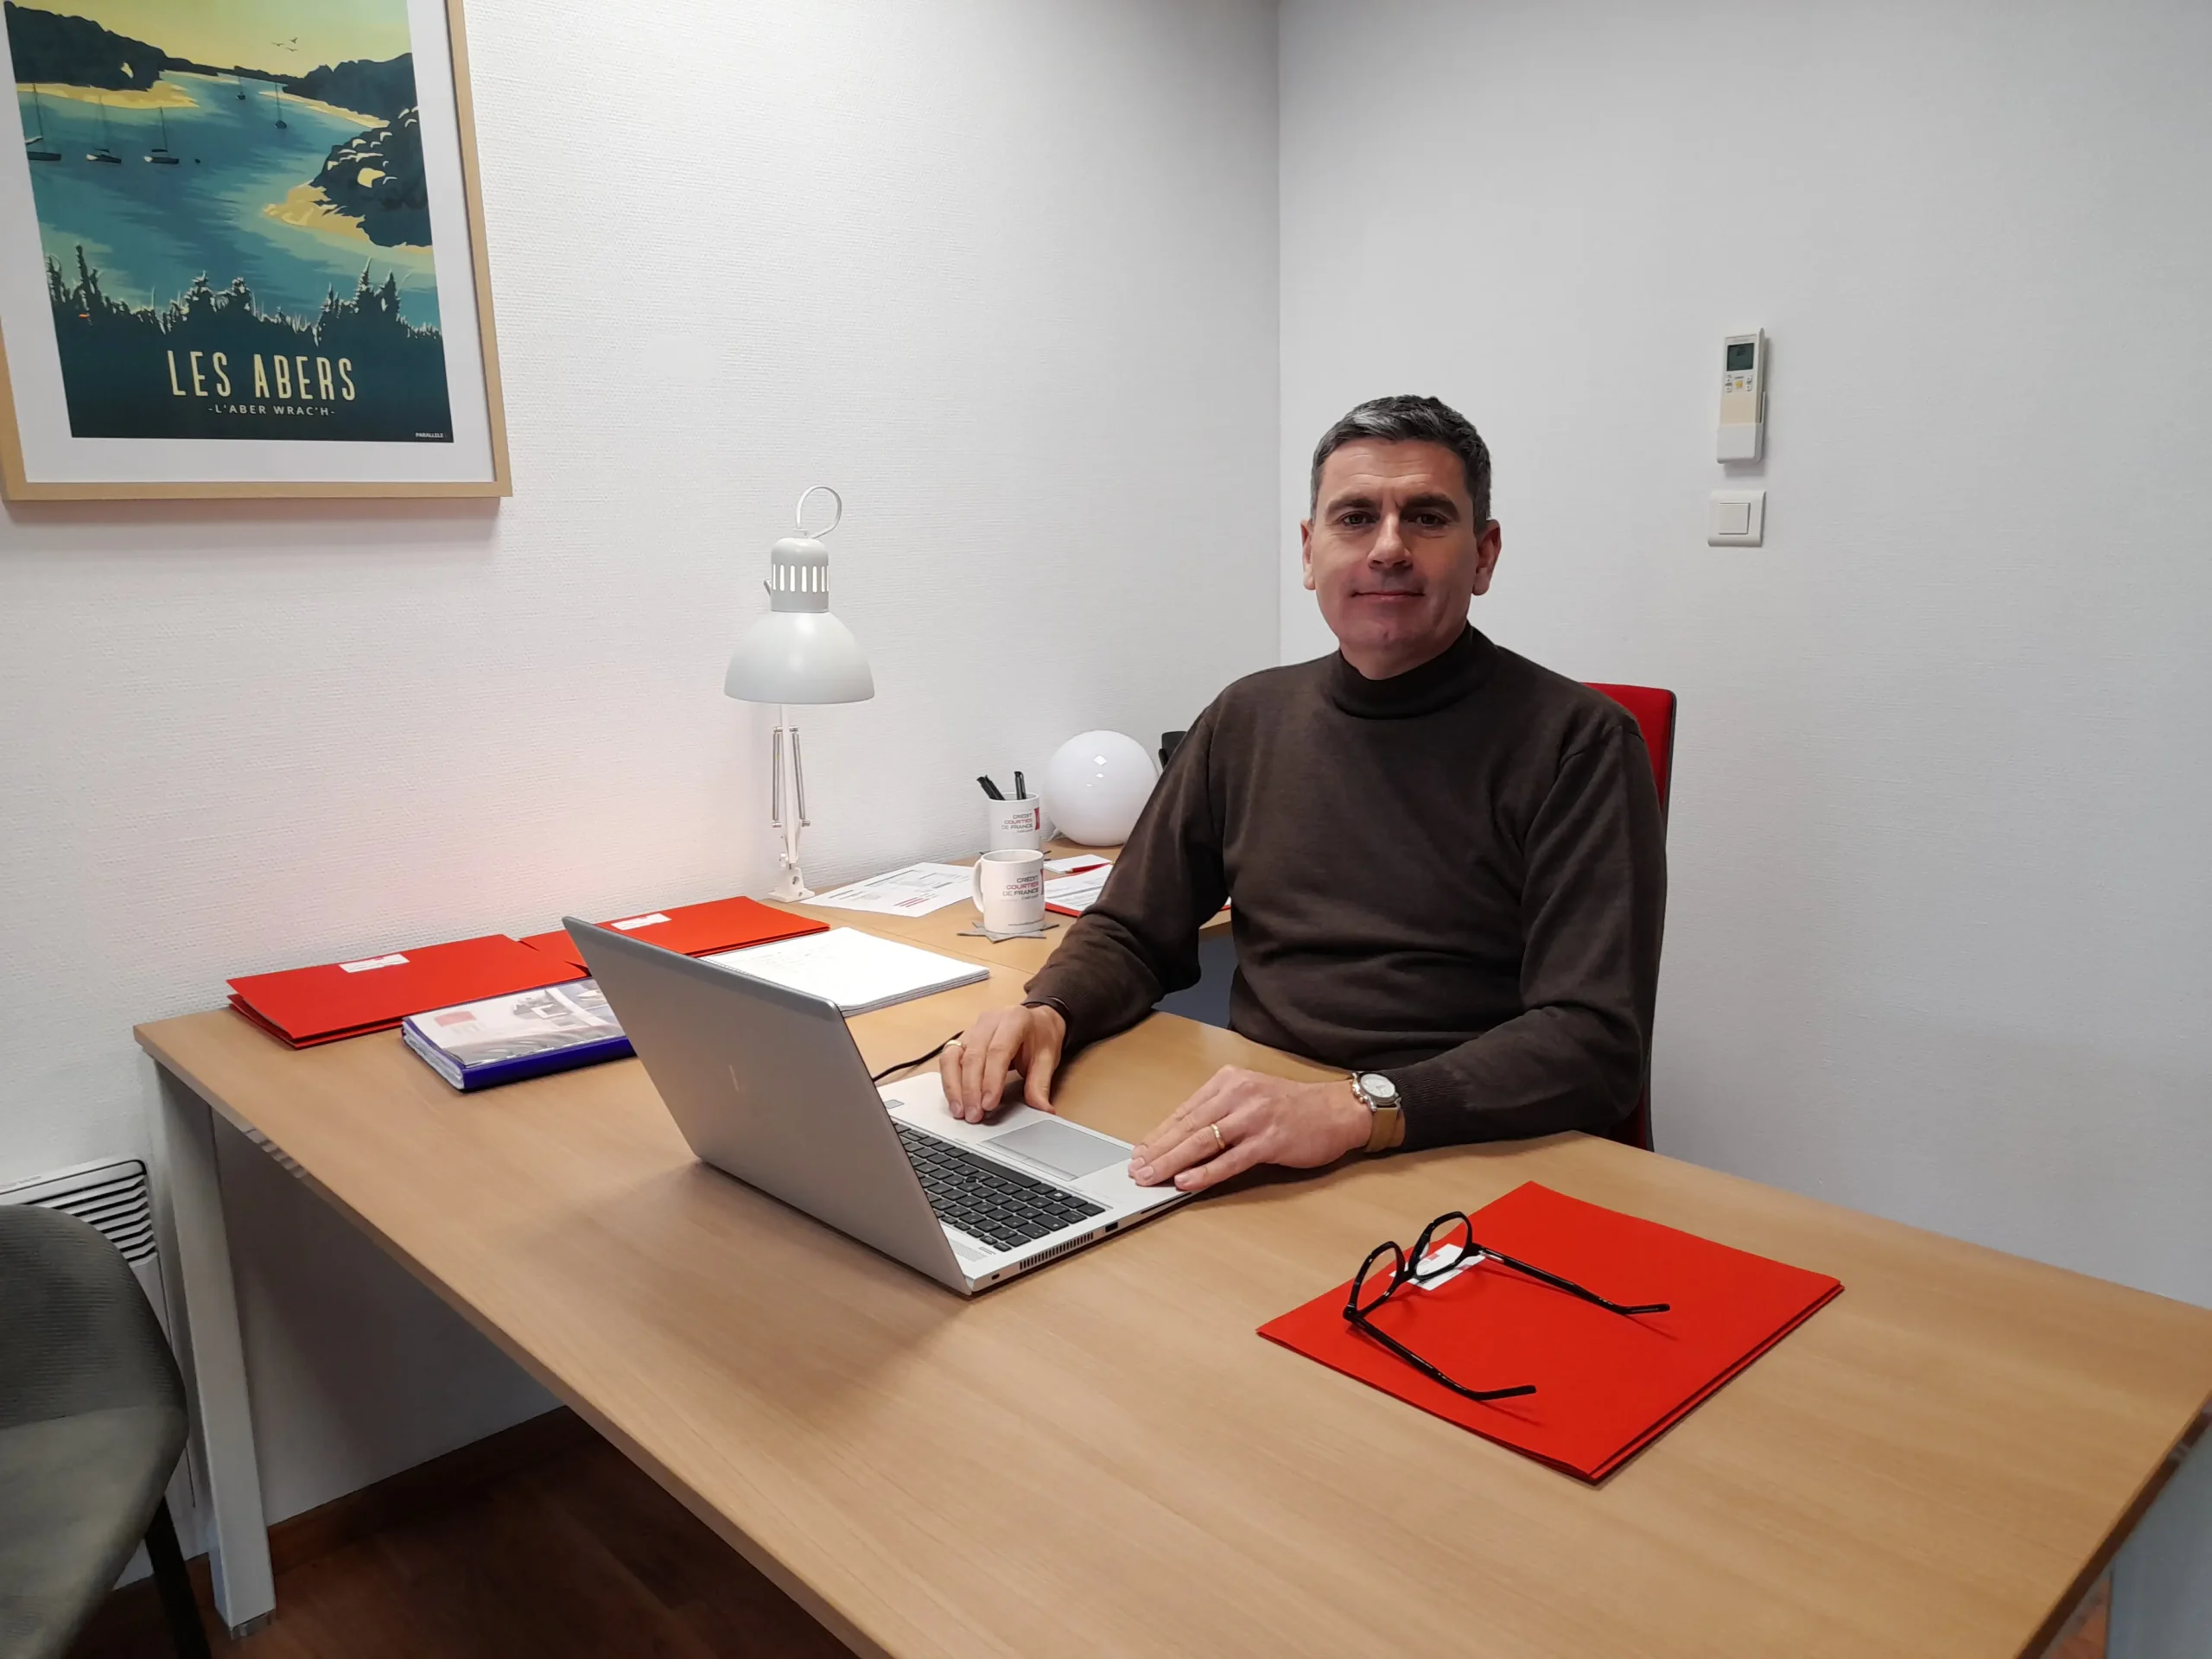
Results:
[214, 1363]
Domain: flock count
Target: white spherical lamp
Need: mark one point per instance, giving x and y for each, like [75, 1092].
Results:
[1095, 786]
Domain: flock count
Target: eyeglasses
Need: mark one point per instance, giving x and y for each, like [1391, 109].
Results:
[1432, 1260]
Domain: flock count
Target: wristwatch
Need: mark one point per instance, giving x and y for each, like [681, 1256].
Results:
[1385, 1124]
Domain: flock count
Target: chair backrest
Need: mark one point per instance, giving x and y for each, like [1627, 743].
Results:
[76, 1332]
[1655, 713]
[1655, 716]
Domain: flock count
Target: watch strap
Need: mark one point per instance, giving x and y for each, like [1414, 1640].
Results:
[1385, 1124]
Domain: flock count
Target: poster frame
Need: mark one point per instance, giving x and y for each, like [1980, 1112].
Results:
[18, 486]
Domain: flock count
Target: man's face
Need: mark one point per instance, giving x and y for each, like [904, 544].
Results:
[1393, 554]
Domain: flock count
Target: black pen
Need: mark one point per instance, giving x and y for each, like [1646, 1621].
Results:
[1021, 789]
[990, 788]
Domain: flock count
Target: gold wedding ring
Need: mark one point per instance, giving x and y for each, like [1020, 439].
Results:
[1217, 1140]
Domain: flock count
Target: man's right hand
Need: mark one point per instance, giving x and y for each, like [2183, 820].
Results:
[976, 1064]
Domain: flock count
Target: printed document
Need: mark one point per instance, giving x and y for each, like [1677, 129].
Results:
[1072, 895]
[915, 891]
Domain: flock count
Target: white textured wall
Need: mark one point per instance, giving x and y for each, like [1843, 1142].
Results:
[1939, 943]
[1004, 272]
[1937, 939]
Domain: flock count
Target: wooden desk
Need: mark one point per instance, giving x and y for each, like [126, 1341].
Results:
[1104, 1458]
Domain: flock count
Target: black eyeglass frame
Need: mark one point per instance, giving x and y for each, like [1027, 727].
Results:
[1407, 1270]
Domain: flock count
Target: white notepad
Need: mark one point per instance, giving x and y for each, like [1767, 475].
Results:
[858, 971]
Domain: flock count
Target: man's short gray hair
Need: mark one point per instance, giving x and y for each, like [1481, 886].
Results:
[1407, 419]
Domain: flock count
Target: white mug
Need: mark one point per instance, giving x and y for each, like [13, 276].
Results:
[1019, 825]
[1009, 889]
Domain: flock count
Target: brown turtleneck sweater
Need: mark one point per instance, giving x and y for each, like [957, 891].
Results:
[1456, 877]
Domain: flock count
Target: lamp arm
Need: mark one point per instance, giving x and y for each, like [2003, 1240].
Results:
[776, 777]
[788, 815]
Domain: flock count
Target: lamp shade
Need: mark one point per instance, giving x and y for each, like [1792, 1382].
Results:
[799, 652]
[790, 657]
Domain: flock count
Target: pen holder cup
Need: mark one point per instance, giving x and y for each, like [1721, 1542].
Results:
[1014, 826]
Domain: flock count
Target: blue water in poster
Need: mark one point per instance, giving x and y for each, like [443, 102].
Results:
[235, 247]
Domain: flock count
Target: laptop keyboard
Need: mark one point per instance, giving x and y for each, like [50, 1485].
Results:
[986, 1200]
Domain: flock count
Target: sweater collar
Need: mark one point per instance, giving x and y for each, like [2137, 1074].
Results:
[1461, 670]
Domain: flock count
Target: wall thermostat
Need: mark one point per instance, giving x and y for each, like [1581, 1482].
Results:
[1742, 396]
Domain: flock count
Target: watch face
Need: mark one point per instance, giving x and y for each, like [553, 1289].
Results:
[1378, 1088]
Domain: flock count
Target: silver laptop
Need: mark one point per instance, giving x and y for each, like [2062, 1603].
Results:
[766, 1085]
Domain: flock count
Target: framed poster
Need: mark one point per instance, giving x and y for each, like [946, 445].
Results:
[242, 253]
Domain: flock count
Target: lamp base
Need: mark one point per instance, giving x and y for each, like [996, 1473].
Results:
[790, 886]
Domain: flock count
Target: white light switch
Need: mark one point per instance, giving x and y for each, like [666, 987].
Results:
[1738, 519]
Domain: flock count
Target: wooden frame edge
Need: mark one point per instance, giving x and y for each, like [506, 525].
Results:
[16, 484]
[479, 253]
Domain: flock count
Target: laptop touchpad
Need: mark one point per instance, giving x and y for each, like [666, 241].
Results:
[1061, 1148]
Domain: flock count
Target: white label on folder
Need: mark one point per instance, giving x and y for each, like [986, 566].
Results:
[638, 921]
[363, 966]
[1444, 1262]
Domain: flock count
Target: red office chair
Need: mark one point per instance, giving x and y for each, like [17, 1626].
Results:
[1655, 713]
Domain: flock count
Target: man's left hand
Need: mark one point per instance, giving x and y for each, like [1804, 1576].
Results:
[1242, 1118]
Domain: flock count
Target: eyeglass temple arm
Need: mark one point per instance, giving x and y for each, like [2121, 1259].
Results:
[1571, 1288]
[1430, 1371]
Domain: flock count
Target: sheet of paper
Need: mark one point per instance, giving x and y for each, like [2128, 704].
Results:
[1073, 895]
[915, 891]
[1072, 866]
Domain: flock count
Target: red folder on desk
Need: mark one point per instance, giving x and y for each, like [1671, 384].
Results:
[1606, 1385]
[307, 1006]
[693, 929]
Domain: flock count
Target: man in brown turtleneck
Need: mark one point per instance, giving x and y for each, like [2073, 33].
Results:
[1446, 862]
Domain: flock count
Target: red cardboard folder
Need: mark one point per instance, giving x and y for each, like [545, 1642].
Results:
[1606, 1385]
[306, 1005]
[692, 930]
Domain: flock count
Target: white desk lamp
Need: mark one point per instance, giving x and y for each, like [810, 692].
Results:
[798, 653]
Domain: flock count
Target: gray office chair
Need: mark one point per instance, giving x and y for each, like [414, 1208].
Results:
[92, 1422]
